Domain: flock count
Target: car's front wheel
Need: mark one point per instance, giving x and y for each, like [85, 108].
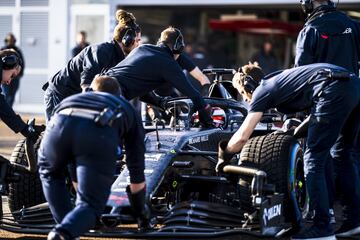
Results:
[281, 157]
[28, 191]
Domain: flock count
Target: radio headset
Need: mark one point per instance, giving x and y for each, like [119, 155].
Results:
[179, 44]
[10, 61]
[129, 37]
[250, 84]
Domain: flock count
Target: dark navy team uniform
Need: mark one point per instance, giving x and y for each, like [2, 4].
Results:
[72, 137]
[7, 114]
[185, 62]
[167, 88]
[329, 36]
[81, 70]
[335, 111]
[148, 67]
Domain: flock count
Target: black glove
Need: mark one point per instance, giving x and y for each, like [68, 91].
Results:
[32, 132]
[205, 117]
[163, 102]
[205, 89]
[139, 208]
[224, 157]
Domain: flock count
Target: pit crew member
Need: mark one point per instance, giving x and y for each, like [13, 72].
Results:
[332, 95]
[10, 68]
[94, 59]
[329, 36]
[149, 66]
[80, 133]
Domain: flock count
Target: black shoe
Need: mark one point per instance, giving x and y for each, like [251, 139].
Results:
[309, 217]
[348, 230]
[332, 216]
[315, 232]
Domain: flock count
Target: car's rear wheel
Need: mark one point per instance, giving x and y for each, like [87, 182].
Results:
[281, 157]
[28, 191]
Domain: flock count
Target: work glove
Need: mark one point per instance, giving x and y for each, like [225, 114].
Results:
[205, 117]
[163, 102]
[205, 89]
[224, 157]
[155, 99]
[32, 132]
[140, 210]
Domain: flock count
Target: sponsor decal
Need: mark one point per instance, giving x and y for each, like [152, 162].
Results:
[118, 190]
[324, 36]
[204, 138]
[270, 213]
[153, 157]
[118, 199]
[347, 31]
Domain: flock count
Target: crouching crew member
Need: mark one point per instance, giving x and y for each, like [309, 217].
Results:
[148, 67]
[78, 135]
[10, 68]
[332, 95]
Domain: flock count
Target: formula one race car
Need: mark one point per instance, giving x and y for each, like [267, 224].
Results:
[262, 191]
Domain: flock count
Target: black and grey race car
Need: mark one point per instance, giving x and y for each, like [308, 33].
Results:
[262, 191]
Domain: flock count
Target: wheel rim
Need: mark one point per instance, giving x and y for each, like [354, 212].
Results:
[297, 187]
[300, 187]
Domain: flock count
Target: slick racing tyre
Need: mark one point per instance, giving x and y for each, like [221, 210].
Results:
[28, 191]
[281, 157]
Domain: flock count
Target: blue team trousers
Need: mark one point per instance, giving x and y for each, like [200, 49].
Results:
[92, 149]
[335, 118]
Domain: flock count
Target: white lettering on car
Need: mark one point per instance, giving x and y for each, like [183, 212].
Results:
[270, 213]
[204, 138]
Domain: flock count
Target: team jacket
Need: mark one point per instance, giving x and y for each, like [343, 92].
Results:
[329, 36]
[294, 90]
[83, 67]
[146, 68]
[127, 125]
[7, 114]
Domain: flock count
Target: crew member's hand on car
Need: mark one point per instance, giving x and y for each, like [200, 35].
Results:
[32, 132]
[224, 156]
[205, 117]
[140, 209]
[205, 89]
[163, 102]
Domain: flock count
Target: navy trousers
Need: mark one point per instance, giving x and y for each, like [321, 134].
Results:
[335, 119]
[92, 149]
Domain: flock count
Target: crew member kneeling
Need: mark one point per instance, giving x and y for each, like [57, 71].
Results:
[76, 136]
[333, 97]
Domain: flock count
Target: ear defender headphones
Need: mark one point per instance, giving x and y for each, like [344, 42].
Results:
[250, 84]
[129, 37]
[307, 6]
[179, 44]
[10, 61]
